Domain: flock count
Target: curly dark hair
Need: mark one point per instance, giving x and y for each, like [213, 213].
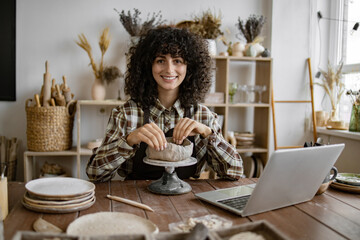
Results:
[139, 81]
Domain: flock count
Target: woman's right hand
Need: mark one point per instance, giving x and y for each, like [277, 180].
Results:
[150, 134]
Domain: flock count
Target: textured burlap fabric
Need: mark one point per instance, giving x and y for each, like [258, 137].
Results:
[173, 152]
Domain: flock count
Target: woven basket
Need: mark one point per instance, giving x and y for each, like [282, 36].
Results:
[49, 128]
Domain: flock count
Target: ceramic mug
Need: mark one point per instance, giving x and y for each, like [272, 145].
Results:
[328, 178]
[324, 186]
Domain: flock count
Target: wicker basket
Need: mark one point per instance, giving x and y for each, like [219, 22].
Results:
[49, 128]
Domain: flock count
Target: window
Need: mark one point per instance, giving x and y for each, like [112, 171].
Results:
[347, 49]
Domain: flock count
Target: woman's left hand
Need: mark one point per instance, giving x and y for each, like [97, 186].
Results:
[189, 127]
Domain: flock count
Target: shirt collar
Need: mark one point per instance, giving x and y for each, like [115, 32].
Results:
[158, 109]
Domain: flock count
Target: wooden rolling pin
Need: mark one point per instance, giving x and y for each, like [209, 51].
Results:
[66, 91]
[47, 87]
[130, 202]
[53, 88]
[59, 98]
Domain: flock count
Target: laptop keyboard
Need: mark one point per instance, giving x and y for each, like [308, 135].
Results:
[236, 202]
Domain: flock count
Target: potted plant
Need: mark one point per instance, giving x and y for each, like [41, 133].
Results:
[207, 25]
[102, 74]
[251, 30]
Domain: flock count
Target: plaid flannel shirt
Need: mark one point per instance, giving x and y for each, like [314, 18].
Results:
[115, 155]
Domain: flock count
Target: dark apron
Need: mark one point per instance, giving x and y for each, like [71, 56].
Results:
[141, 170]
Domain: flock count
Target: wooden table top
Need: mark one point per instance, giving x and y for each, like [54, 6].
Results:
[332, 215]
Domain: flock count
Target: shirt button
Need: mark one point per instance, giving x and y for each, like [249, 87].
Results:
[167, 124]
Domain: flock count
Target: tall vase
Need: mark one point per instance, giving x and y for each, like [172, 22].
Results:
[212, 47]
[354, 125]
[98, 90]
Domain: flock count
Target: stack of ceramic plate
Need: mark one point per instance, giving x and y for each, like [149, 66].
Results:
[253, 166]
[59, 195]
[348, 182]
[244, 139]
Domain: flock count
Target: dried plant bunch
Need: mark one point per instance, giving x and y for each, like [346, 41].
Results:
[99, 71]
[332, 84]
[354, 96]
[252, 27]
[134, 25]
[207, 25]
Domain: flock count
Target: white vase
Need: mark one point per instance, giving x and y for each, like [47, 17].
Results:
[212, 47]
[98, 90]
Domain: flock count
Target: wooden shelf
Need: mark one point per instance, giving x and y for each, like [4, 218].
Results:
[233, 112]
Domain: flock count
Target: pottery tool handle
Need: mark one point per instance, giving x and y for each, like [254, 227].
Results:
[60, 99]
[52, 101]
[53, 88]
[66, 91]
[37, 100]
[130, 202]
[47, 86]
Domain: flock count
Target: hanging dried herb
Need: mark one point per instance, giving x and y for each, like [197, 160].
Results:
[134, 25]
[252, 27]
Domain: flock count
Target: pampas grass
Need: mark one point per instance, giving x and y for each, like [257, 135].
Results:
[332, 84]
[107, 74]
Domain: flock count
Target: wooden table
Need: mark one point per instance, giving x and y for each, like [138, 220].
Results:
[332, 215]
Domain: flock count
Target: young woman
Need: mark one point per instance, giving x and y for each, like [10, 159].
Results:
[168, 76]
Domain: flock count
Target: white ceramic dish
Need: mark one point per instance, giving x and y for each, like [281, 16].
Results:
[55, 206]
[59, 187]
[187, 162]
[110, 223]
[349, 178]
[57, 210]
[33, 200]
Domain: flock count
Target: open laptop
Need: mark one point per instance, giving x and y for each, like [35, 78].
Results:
[291, 176]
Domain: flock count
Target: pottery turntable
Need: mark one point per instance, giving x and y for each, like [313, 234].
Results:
[170, 183]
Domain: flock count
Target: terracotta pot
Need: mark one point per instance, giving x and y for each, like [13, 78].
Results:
[98, 90]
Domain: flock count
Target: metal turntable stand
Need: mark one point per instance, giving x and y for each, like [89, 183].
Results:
[170, 183]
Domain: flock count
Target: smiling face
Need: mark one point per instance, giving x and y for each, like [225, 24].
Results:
[169, 72]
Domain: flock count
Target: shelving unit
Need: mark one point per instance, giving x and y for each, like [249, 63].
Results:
[78, 151]
[259, 114]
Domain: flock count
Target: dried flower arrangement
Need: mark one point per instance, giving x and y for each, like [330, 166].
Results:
[207, 25]
[354, 96]
[332, 84]
[134, 25]
[252, 27]
[107, 74]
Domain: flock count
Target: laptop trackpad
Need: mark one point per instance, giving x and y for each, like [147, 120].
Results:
[237, 191]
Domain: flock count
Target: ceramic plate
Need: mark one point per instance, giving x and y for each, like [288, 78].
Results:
[187, 162]
[345, 187]
[33, 200]
[349, 178]
[59, 187]
[55, 206]
[57, 210]
[110, 223]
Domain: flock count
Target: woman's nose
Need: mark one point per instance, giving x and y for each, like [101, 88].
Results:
[169, 67]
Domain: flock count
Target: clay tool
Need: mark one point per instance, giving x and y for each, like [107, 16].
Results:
[47, 86]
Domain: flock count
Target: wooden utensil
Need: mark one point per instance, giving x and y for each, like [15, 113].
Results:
[66, 91]
[53, 88]
[130, 202]
[41, 225]
[47, 86]
[59, 98]
[37, 100]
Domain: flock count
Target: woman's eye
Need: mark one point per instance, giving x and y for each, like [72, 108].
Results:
[178, 61]
[160, 61]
